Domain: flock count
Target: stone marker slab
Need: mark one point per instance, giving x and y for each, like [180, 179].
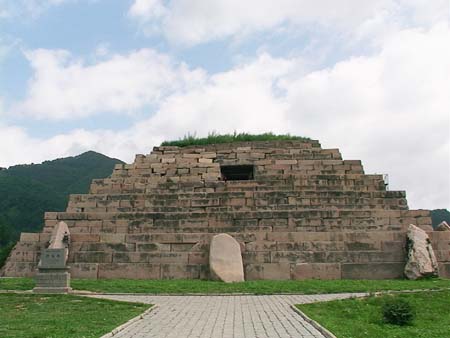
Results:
[421, 259]
[53, 259]
[225, 259]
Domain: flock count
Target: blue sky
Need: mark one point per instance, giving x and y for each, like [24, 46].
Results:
[119, 77]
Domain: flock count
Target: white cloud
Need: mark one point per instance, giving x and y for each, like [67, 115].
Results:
[14, 9]
[191, 22]
[147, 9]
[390, 110]
[64, 87]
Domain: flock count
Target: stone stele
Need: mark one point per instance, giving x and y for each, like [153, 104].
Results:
[225, 260]
[53, 273]
[443, 226]
[421, 259]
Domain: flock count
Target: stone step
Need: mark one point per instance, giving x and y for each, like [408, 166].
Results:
[212, 207]
[310, 213]
[163, 195]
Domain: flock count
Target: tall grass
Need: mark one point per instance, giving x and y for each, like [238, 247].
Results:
[214, 138]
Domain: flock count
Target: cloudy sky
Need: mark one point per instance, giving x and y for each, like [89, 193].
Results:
[119, 76]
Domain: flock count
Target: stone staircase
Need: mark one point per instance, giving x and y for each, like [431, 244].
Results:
[306, 214]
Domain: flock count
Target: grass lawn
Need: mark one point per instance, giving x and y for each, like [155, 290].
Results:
[361, 318]
[62, 316]
[254, 287]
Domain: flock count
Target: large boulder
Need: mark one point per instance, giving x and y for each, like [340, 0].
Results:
[421, 259]
[443, 226]
[225, 260]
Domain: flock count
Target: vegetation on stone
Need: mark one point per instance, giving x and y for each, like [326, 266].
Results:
[213, 138]
[312, 286]
[27, 191]
[42, 316]
[362, 318]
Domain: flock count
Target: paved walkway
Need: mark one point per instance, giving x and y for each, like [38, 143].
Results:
[223, 316]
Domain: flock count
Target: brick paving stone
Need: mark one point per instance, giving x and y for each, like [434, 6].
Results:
[233, 316]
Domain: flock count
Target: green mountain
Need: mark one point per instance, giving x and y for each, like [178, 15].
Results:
[27, 191]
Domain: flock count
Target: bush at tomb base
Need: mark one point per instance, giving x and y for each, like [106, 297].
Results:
[397, 311]
[213, 138]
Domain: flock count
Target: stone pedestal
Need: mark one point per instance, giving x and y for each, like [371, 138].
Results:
[53, 275]
[52, 281]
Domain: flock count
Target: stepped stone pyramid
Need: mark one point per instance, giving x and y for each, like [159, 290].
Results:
[297, 210]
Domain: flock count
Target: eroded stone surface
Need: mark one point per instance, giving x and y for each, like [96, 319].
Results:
[421, 259]
[443, 226]
[225, 260]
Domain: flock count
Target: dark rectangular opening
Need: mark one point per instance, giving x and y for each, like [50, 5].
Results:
[237, 172]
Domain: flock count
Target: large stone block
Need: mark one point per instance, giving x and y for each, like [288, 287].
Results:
[444, 270]
[198, 258]
[19, 269]
[93, 257]
[29, 237]
[316, 271]
[270, 271]
[85, 238]
[112, 238]
[84, 270]
[372, 270]
[180, 271]
[129, 271]
[136, 257]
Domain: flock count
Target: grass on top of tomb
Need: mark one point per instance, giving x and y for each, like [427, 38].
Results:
[213, 138]
[362, 318]
[45, 316]
[252, 287]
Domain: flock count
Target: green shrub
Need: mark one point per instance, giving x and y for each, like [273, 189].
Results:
[397, 311]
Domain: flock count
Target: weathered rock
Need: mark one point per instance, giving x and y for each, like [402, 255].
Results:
[421, 259]
[225, 260]
[443, 226]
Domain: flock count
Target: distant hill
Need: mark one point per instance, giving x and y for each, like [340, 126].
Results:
[27, 191]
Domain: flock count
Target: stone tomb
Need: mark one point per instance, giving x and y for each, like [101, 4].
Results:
[298, 211]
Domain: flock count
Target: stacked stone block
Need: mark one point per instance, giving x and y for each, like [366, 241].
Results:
[307, 213]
